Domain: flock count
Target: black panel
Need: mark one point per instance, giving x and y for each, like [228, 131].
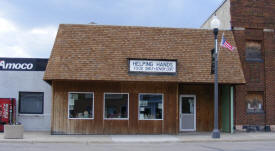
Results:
[23, 64]
[213, 61]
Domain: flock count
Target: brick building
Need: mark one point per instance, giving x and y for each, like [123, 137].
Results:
[253, 24]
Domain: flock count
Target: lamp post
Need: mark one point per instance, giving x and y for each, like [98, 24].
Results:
[215, 24]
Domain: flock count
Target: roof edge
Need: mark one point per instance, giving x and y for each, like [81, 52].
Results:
[129, 26]
[85, 80]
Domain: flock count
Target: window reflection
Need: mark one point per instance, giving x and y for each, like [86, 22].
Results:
[150, 106]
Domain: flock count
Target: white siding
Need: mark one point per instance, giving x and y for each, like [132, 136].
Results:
[14, 81]
[223, 13]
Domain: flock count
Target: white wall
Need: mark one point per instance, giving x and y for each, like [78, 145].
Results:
[11, 82]
[223, 13]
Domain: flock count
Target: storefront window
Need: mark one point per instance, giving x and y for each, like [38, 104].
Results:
[254, 103]
[81, 105]
[150, 106]
[31, 102]
[116, 106]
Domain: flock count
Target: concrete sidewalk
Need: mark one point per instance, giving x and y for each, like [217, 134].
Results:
[45, 137]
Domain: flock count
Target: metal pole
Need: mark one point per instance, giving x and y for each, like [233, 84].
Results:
[216, 132]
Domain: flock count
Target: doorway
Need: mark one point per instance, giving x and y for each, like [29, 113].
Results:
[187, 113]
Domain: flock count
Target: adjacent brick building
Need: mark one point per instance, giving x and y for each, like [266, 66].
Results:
[253, 24]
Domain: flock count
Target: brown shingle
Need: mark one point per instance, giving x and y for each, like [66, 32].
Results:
[100, 52]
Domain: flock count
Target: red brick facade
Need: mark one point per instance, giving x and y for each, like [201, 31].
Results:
[254, 20]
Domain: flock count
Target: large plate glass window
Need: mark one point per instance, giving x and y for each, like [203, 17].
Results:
[150, 106]
[81, 105]
[31, 102]
[116, 105]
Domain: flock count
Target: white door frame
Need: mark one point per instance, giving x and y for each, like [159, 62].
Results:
[180, 122]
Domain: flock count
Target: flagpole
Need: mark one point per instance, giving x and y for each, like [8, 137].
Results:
[220, 43]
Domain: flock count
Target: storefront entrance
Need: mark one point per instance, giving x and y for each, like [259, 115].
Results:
[187, 113]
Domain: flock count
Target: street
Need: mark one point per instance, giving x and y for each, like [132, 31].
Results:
[204, 146]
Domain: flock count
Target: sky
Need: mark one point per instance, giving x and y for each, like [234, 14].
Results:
[28, 27]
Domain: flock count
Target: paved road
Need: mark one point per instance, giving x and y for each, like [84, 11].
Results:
[206, 146]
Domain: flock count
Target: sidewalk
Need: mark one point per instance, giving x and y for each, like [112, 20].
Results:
[45, 137]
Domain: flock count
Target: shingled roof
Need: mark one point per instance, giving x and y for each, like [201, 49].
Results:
[100, 52]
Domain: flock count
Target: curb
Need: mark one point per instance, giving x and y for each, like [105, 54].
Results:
[114, 142]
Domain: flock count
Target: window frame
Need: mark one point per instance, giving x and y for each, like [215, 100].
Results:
[261, 51]
[254, 111]
[81, 118]
[30, 113]
[162, 114]
[128, 114]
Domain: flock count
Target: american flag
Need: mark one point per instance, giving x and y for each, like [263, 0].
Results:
[226, 44]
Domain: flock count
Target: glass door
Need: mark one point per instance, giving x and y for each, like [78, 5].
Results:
[187, 113]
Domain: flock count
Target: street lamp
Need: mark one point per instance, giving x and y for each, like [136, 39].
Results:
[215, 24]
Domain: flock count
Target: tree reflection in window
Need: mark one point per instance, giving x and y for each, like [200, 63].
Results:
[150, 106]
[116, 106]
[254, 103]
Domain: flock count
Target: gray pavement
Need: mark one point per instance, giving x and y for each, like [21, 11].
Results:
[197, 146]
[45, 137]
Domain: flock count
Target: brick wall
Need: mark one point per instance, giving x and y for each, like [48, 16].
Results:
[253, 13]
[269, 43]
[255, 20]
